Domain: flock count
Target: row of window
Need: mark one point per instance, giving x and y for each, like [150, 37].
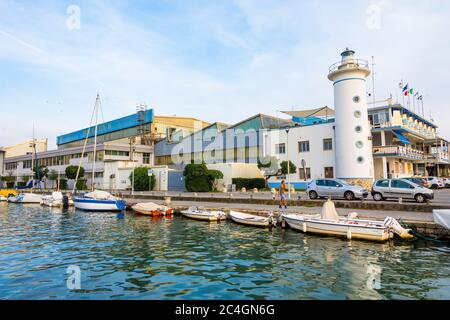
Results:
[305, 173]
[117, 153]
[304, 146]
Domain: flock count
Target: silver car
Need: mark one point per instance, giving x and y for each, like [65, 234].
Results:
[335, 188]
[400, 188]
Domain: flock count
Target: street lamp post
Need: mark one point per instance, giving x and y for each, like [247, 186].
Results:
[288, 164]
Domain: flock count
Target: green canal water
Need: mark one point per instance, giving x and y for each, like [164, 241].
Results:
[135, 257]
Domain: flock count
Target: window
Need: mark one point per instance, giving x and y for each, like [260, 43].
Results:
[327, 144]
[400, 184]
[358, 129]
[321, 183]
[146, 158]
[356, 99]
[383, 183]
[303, 146]
[357, 114]
[281, 148]
[27, 164]
[332, 183]
[329, 172]
[360, 160]
[359, 144]
[304, 173]
[11, 166]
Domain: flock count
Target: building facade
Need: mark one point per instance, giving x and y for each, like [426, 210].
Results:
[122, 145]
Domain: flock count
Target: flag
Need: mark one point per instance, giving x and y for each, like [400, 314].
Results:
[405, 90]
[400, 85]
[411, 91]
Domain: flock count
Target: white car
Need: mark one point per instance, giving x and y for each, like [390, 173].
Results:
[435, 183]
[447, 182]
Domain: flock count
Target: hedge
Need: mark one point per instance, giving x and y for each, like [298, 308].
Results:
[249, 183]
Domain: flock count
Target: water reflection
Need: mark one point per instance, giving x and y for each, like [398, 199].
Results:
[140, 257]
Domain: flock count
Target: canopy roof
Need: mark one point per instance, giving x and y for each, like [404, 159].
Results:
[319, 112]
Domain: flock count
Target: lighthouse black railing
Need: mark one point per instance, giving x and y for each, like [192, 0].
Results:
[351, 63]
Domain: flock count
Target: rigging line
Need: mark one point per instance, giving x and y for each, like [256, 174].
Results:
[84, 148]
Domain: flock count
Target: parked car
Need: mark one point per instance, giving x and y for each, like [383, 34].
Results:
[400, 188]
[435, 183]
[417, 180]
[335, 188]
[447, 182]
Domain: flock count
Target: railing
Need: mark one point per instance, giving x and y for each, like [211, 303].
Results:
[407, 125]
[349, 64]
[399, 151]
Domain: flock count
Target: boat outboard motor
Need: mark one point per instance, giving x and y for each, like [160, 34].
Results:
[395, 227]
[65, 201]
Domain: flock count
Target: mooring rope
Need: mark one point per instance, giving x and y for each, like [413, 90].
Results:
[420, 235]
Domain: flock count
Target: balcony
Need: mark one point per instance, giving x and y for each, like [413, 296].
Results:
[398, 151]
[411, 127]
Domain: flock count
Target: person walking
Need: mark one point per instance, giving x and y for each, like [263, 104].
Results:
[282, 193]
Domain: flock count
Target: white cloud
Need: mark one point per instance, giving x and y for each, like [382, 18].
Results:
[261, 56]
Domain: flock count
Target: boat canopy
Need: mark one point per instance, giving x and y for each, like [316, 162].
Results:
[100, 195]
[329, 211]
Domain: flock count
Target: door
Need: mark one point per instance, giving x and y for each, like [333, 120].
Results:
[401, 189]
[322, 188]
[176, 181]
[334, 189]
[329, 172]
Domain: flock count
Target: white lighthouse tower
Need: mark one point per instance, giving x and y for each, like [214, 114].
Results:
[353, 145]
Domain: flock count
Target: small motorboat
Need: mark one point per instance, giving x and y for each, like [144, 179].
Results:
[99, 201]
[442, 218]
[152, 209]
[56, 199]
[204, 215]
[329, 223]
[253, 220]
[3, 198]
[26, 198]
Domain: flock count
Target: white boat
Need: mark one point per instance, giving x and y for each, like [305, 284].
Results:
[329, 223]
[204, 215]
[252, 220]
[56, 199]
[99, 201]
[152, 209]
[26, 198]
[3, 199]
[442, 218]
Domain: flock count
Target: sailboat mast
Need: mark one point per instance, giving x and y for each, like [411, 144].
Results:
[97, 105]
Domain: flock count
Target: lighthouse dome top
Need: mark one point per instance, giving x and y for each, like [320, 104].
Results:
[347, 53]
[348, 64]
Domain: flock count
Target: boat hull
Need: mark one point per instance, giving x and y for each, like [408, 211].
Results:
[203, 216]
[99, 205]
[26, 199]
[153, 213]
[250, 220]
[348, 231]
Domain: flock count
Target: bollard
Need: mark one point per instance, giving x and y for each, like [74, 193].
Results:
[400, 200]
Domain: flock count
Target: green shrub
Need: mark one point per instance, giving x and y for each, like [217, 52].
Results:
[81, 184]
[63, 184]
[199, 179]
[249, 183]
[142, 182]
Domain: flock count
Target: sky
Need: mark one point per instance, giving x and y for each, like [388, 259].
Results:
[222, 60]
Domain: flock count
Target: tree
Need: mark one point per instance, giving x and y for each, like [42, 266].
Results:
[269, 166]
[53, 175]
[142, 182]
[199, 179]
[40, 172]
[284, 167]
[71, 172]
[215, 176]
